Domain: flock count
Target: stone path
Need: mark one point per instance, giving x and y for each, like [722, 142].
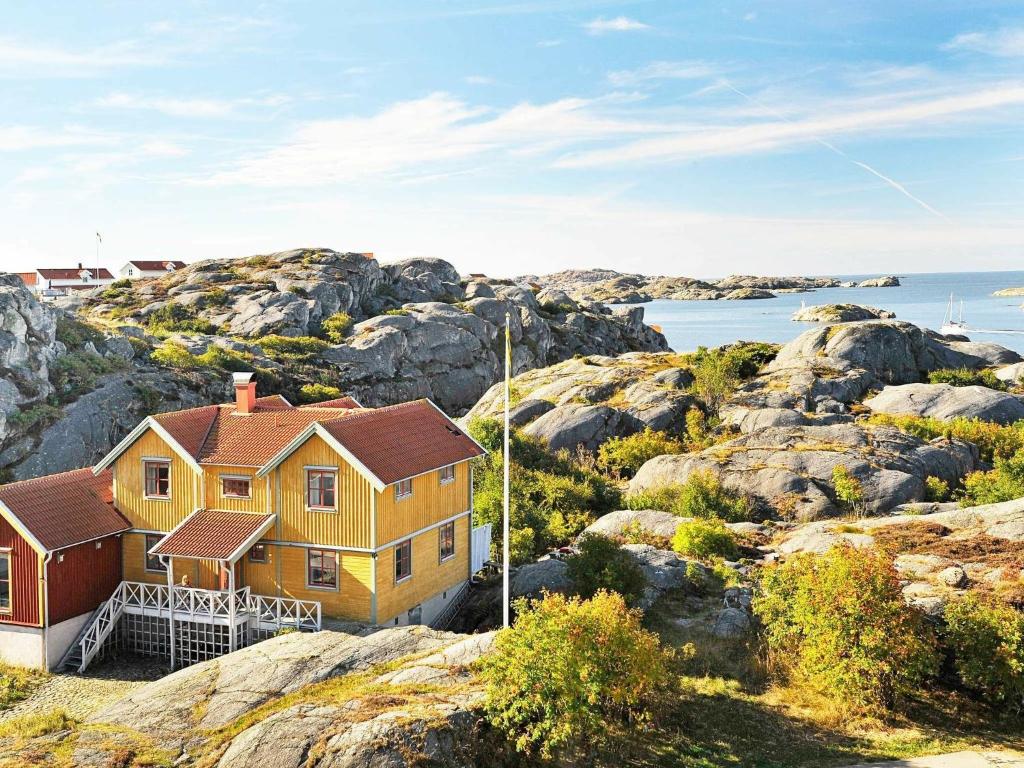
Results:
[81, 695]
[969, 759]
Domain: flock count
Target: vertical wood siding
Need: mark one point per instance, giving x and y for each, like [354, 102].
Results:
[130, 487]
[349, 526]
[133, 563]
[429, 577]
[25, 608]
[350, 601]
[430, 502]
[85, 577]
[261, 578]
[215, 499]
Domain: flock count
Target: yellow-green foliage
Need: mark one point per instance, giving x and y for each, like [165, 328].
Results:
[294, 348]
[600, 563]
[571, 674]
[702, 495]
[337, 327]
[838, 623]
[1003, 483]
[625, 455]
[849, 492]
[936, 489]
[34, 724]
[966, 377]
[174, 354]
[705, 539]
[987, 641]
[177, 318]
[317, 393]
[16, 683]
[993, 440]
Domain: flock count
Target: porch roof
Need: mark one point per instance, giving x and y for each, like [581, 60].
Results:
[211, 534]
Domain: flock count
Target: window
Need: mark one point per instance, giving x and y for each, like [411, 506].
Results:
[447, 474]
[158, 478]
[323, 568]
[235, 487]
[5, 582]
[320, 488]
[153, 562]
[446, 533]
[403, 560]
[403, 488]
[258, 553]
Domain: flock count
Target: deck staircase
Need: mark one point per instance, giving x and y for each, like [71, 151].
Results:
[72, 659]
[444, 619]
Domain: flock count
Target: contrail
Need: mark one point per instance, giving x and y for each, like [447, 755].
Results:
[833, 148]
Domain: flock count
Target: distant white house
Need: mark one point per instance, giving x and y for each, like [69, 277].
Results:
[134, 270]
[51, 283]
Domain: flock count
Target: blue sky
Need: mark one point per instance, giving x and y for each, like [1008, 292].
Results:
[683, 138]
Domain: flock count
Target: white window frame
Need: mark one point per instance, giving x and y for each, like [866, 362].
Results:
[305, 488]
[399, 495]
[146, 555]
[441, 557]
[5, 554]
[441, 474]
[337, 569]
[266, 558]
[146, 461]
[246, 478]
[403, 579]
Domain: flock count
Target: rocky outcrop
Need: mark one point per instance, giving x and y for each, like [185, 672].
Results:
[792, 467]
[840, 313]
[1009, 292]
[889, 281]
[741, 294]
[944, 401]
[1011, 374]
[533, 579]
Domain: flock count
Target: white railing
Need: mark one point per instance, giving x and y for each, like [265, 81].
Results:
[481, 548]
[102, 625]
[284, 612]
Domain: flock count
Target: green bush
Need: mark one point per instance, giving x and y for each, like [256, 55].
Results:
[705, 539]
[337, 327]
[965, 377]
[216, 297]
[35, 416]
[849, 491]
[838, 623]
[177, 318]
[600, 563]
[987, 641]
[317, 393]
[1003, 483]
[625, 455]
[936, 489]
[124, 282]
[291, 348]
[715, 378]
[702, 495]
[572, 674]
[74, 333]
[73, 374]
[993, 440]
[174, 354]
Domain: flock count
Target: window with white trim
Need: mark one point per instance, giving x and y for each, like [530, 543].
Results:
[447, 474]
[5, 582]
[403, 489]
[236, 487]
[403, 561]
[158, 478]
[446, 541]
[320, 488]
[153, 562]
[258, 553]
[322, 568]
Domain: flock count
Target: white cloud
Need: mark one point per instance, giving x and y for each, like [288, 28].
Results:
[42, 60]
[19, 138]
[189, 108]
[1008, 41]
[602, 25]
[548, 43]
[661, 70]
[479, 80]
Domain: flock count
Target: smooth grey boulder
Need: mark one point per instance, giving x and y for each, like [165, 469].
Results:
[889, 281]
[569, 426]
[1011, 374]
[528, 410]
[532, 579]
[731, 623]
[651, 521]
[664, 571]
[992, 354]
[944, 401]
[755, 419]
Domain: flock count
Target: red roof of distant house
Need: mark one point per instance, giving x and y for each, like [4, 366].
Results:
[153, 266]
[212, 534]
[65, 509]
[277, 402]
[28, 278]
[75, 273]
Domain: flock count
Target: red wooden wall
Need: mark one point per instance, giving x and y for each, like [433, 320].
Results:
[24, 578]
[84, 578]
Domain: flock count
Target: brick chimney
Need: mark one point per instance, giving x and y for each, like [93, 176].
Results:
[245, 392]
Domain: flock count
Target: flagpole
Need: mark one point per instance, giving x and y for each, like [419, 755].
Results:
[505, 562]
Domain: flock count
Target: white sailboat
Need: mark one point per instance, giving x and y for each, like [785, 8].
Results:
[951, 326]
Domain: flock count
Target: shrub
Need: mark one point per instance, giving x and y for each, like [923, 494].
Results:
[396, 312]
[177, 318]
[215, 297]
[74, 373]
[965, 377]
[849, 491]
[317, 393]
[987, 641]
[293, 348]
[124, 282]
[174, 354]
[16, 683]
[601, 564]
[838, 623]
[1003, 483]
[337, 327]
[702, 495]
[35, 416]
[936, 489]
[74, 333]
[715, 378]
[625, 455]
[572, 673]
[993, 440]
[705, 539]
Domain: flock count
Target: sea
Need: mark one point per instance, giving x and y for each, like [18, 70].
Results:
[921, 299]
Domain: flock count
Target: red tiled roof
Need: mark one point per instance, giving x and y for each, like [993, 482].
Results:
[211, 534]
[190, 427]
[252, 440]
[272, 402]
[75, 273]
[338, 402]
[65, 509]
[402, 441]
[153, 265]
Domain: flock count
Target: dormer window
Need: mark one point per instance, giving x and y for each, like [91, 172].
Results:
[403, 489]
[158, 478]
[236, 486]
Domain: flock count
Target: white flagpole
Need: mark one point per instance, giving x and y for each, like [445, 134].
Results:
[504, 522]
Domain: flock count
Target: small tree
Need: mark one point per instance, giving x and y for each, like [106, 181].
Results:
[625, 455]
[714, 379]
[849, 491]
[601, 564]
[570, 673]
[705, 539]
[987, 640]
[838, 623]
